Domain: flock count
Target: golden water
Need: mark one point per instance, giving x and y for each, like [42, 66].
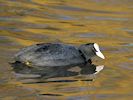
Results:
[106, 22]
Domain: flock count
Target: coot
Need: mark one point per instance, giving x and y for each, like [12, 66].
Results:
[57, 54]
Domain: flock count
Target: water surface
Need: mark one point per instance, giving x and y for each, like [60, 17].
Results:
[106, 22]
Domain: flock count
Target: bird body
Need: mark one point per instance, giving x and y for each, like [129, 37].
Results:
[56, 54]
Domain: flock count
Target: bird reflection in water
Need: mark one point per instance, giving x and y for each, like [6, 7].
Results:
[40, 75]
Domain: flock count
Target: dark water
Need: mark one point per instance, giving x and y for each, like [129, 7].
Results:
[106, 22]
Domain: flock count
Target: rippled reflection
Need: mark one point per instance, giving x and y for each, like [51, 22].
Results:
[23, 71]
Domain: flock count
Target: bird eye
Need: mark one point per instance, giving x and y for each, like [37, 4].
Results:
[95, 49]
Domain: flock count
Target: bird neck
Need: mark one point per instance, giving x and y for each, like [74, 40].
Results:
[83, 56]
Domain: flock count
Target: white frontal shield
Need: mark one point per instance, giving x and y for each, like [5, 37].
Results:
[98, 52]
